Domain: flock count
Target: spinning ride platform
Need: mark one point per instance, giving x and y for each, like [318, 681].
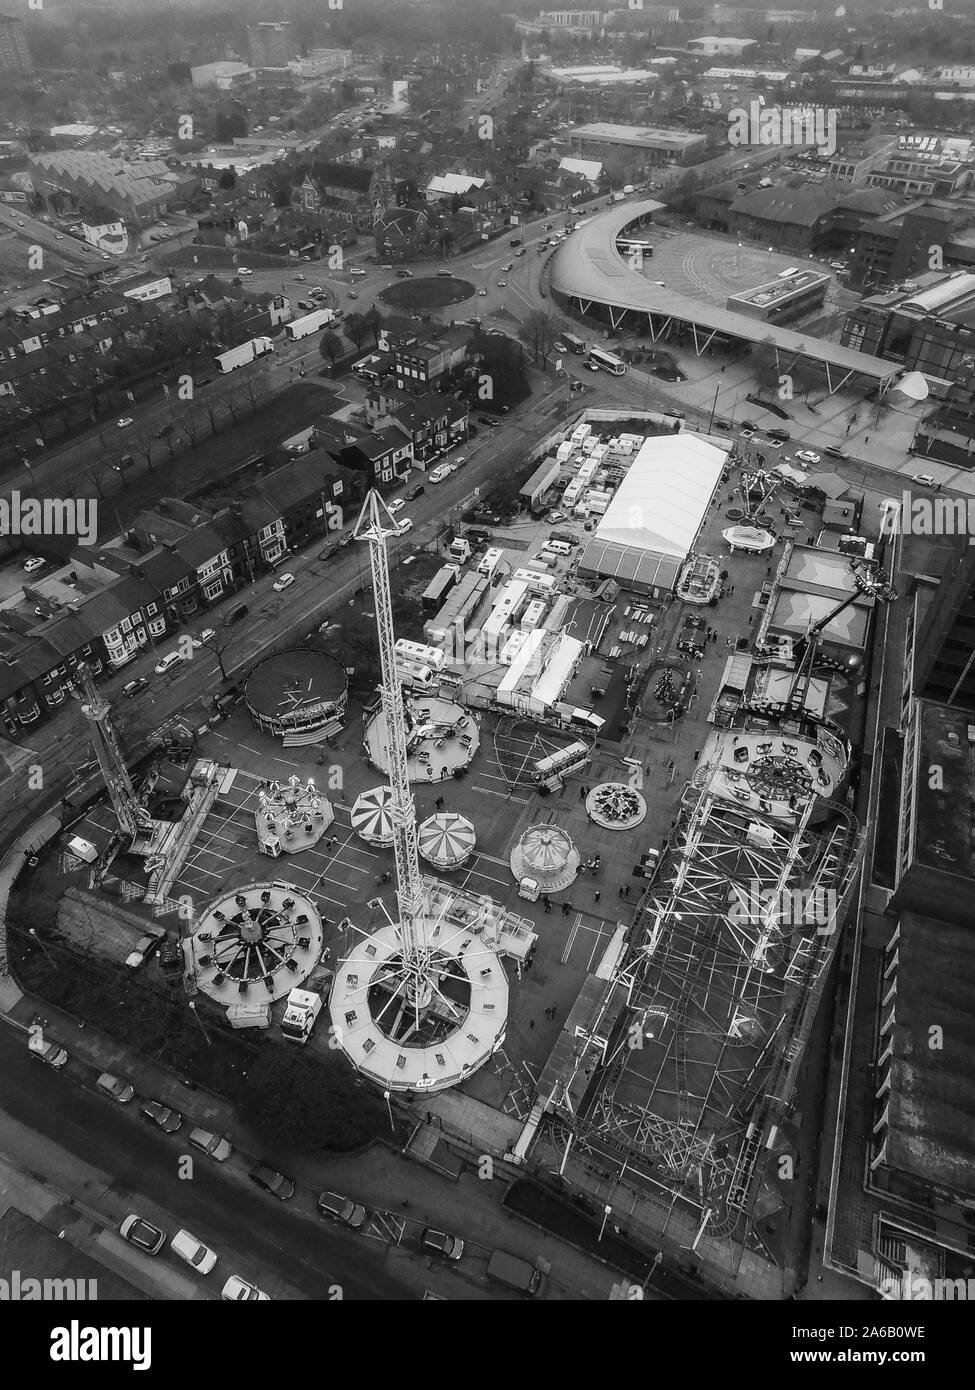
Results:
[254, 944]
[442, 739]
[616, 806]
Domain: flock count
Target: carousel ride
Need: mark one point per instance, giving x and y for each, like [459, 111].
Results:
[616, 806]
[546, 859]
[254, 944]
[292, 817]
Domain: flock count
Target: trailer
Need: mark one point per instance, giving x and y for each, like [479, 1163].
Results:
[239, 356]
[308, 324]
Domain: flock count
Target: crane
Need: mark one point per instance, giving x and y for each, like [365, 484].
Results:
[869, 582]
[133, 818]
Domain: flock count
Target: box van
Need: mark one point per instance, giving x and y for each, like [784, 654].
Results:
[357, 274]
[557, 548]
[513, 1273]
[236, 613]
[784, 274]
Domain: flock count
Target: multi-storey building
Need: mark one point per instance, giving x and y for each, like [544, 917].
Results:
[15, 56]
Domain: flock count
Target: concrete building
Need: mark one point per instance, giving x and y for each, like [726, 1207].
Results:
[725, 46]
[223, 77]
[15, 56]
[783, 301]
[603, 140]
[855, 162]
[271, 44]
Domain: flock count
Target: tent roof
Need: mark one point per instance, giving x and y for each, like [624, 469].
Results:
[660, 504]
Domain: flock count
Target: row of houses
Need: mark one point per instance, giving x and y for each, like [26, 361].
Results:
[180, 560]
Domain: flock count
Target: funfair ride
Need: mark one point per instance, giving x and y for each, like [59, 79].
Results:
[420, 1002]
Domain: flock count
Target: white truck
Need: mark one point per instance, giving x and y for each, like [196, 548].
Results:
[308, 323]
[304, 1006]
[459, 550]
[236, 357]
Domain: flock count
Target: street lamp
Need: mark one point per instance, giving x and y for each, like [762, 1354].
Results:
[389, 1110]
[33, 934]
[192, 1005]
[607, 1212]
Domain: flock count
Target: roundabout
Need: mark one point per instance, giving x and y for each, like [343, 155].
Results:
[423, 296]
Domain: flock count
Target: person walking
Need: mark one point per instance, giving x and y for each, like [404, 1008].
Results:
[626, 890]
[547, 902]
[598, 895]
[439, 803]
[531, 1023]
[566, 909]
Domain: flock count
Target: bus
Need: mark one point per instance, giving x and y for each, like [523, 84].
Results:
[630, 244]
[573, 343]
[607, 362]
[549, 772]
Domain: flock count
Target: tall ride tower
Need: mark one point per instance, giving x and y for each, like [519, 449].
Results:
[420, 1002]
[133, 818]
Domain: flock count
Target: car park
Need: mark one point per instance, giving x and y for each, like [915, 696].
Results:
[342, 1209]
[142, 1234]
[270, 1180]
[167, 662]
[212, 1144]
[199, 1256]
[133, 687]
[125, 421]
[237, 1290]
[441, 1243]
[807, 456]
[32, 563]
[113, 1086]
[283, 582]
[143, 946]
[438, 474]
[396, 505]
[167, 1119]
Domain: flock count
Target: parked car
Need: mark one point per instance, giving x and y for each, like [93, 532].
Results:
[243, 270]
[438, 474]
[32, 563]
[283, 581]
[142, 1234]
[459, 461]
[207, 635]
[923, 479]
[167, 662]
[168, 1119]
[124, 422]
[237, 1290]
[143, 946]
[482, 293]
[352, 294]
[211, 1144]
[52, 1054]
[270, 1180]
[501, 284]
[441, 1243]
[506, 268]
[342, 1209]
[329, 551]
[405, 525]
[112, 1086]
[807, 456]
[488, 420]
[417, 490]
[783, 436]
[397, 505]
[193, 1251]
[834, 452]
[131, 688]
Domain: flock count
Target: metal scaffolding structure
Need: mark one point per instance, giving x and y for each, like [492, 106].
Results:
[691, 1057]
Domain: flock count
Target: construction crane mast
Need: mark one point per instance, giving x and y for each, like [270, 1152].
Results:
[375, 523]
[132, 816]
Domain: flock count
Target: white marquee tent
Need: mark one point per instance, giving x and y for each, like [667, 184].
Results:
[652, 523]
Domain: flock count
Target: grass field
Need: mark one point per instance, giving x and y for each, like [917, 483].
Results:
[427, 294]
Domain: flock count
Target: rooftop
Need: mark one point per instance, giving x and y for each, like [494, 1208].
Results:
[650, 137]
[945, 811]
